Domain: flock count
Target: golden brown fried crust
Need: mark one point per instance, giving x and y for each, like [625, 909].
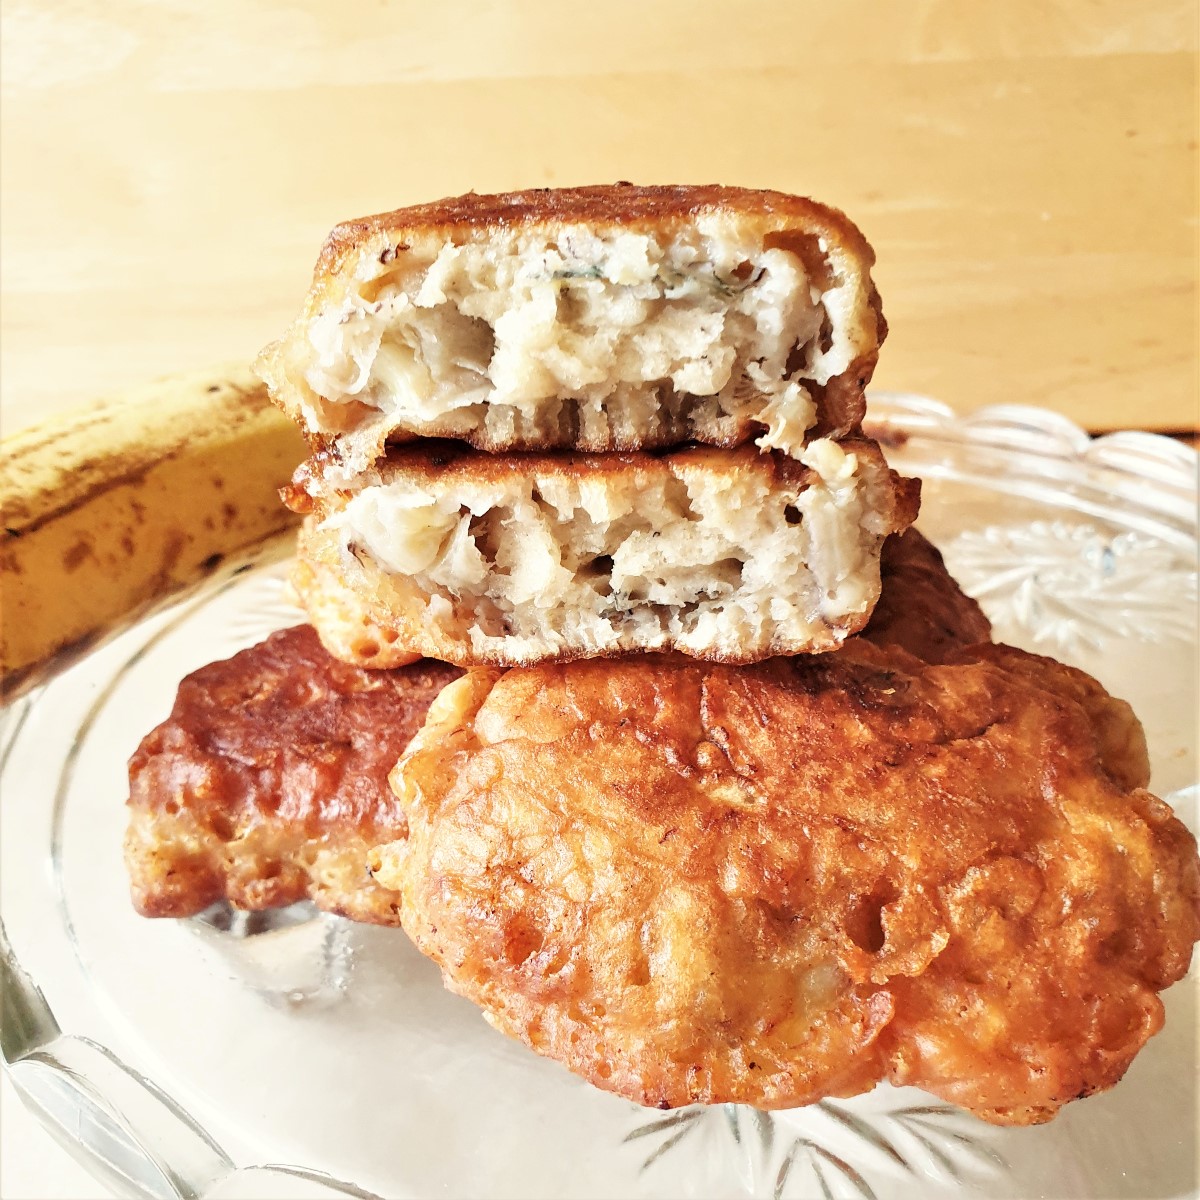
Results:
[764, 885]
[344, 620]
[1120, 738]
[921, 608]
[268, 782]
[654, 209]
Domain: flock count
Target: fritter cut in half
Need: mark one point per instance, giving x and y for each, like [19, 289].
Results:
[267, 784]
[769, 884]
[729, 555]
[596, 318]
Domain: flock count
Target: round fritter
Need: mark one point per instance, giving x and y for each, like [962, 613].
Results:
[699, 883]
[268, 782]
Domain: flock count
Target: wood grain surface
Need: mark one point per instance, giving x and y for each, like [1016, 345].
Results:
[1026, 172]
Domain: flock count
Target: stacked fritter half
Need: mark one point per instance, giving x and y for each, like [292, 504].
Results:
[717, 790]
[560, 425]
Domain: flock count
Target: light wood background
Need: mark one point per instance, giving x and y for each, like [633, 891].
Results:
[1026, 171]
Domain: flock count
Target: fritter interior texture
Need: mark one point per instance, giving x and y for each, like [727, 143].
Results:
[769, 884]
[268, 782]
[599, 318]
[730, 555]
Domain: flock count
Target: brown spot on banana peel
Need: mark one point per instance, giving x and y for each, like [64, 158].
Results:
[76, 554]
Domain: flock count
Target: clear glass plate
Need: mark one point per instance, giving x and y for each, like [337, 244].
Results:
[294, 1054]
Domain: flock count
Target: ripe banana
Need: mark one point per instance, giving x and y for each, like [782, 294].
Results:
[108, 509]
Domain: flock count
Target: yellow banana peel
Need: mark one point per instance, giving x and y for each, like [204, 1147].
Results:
[107, 510]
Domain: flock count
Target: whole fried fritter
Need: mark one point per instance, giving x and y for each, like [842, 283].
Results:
[764, 885]
[268, 782]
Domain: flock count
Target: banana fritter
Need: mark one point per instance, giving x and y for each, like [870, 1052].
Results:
[921, 609]
[268, 782]
[700, 883]
[596, 318]
[729, 555]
